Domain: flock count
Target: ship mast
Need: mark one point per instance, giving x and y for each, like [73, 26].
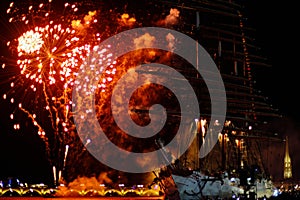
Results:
[222, 30]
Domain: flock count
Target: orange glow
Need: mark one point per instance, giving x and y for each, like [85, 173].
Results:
[126, 20]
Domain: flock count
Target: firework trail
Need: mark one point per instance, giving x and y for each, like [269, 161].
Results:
[50, 43]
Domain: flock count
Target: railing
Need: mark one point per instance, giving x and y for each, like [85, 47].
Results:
[100, 192]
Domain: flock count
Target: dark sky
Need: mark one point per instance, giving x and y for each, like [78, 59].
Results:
[276, 34]
[275, 24]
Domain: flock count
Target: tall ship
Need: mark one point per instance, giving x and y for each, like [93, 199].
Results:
[235, 167]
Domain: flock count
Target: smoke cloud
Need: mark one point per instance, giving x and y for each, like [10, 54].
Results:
[144, 40]
[171, 19]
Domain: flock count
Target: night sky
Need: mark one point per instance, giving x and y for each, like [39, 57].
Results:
[276, 35]
[275, 24]
[22, 153]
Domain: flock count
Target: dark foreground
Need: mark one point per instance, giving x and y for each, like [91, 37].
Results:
[81, 198]
[283, 196]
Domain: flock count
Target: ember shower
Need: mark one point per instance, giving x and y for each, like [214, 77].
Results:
[48, 44]
[50, 41]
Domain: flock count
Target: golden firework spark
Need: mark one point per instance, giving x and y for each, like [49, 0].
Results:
[51, 49]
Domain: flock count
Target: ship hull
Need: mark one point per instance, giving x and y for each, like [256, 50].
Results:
[198, 186]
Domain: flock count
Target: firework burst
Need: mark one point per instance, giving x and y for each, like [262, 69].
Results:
[51, 46]
[54, 52]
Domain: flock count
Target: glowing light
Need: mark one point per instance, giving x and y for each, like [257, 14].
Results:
[30, 42]
[16, 126]
[49, 53]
